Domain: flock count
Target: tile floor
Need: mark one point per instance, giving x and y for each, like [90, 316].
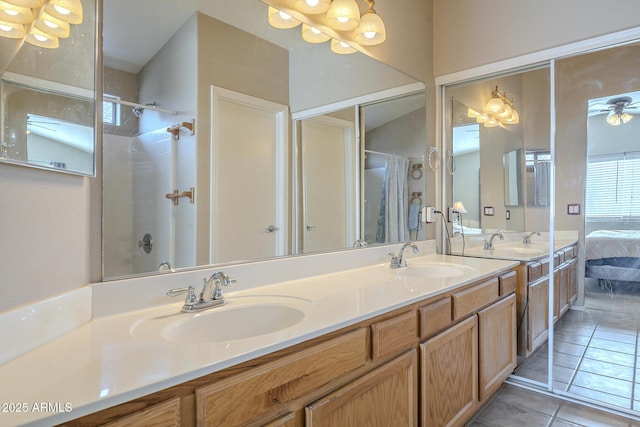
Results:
[513, 406]
[596, 350]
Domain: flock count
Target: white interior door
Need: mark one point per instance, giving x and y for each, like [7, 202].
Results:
[249, 164]
[328, 165]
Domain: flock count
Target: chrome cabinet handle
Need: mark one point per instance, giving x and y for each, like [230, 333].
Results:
[271, 229]
[310, 227]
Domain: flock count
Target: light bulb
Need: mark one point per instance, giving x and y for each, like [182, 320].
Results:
[11, 30]
[313, 35]
[495, 106]
[343, 15]
[312, 7]
[371, 30]
[341, 47]
[69, 11]
[281, 20]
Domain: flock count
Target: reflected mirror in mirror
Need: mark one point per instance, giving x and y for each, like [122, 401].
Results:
[482, 177]
[48, 95]
[512, 166]
[538, 177]
[218, 68]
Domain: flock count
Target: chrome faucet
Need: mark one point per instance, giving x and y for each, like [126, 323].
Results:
[488, 245]
[527, 239]
[166, 266]
[210, 296]
[360, 243]
[399, 261]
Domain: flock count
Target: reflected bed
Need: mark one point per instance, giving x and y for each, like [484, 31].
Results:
[613, 255]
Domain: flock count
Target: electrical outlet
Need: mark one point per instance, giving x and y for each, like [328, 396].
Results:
[429, 214]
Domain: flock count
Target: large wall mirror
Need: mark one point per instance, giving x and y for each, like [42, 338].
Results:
[48, 89]
[500, 170]
[226, 140]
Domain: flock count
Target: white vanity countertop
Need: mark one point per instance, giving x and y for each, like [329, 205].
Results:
[101, 364]
[514, 251]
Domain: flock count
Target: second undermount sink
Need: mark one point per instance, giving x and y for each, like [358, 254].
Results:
[434, 270]
[240, 318]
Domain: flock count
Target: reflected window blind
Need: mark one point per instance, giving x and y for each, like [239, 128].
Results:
[613, 187]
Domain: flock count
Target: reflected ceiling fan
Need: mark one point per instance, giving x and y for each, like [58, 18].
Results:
[621, 109]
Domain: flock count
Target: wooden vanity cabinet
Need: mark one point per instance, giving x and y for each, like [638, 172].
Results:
[533, 297]
[430, 363]
[462, 366]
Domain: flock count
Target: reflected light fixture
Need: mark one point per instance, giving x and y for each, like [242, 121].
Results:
[617, 116]
[313, 35]
[312, 7]
[281, 20]
[341, 47]
[336, 20]
[498, 111]
[39, 22]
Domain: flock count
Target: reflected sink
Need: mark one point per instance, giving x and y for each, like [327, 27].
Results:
[509, 252]
[434, 270]
[240, 318]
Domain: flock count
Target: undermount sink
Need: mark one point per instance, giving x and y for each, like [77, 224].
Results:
[240, 318]
[434, 270]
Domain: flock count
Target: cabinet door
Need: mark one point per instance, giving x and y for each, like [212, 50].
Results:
[497, 344]
[449, 375]
[573, 281]
[387, 396]
[538, 318]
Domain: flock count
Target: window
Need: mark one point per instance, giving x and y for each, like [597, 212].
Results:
[613, 187]
[111, 112]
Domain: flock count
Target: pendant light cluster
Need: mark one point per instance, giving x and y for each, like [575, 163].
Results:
[332, 16]
[39, 22]
[499, 111]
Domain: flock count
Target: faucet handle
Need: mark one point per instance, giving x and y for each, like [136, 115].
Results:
[191, 298]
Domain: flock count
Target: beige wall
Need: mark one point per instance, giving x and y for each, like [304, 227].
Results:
[470, 33]
[579, 79]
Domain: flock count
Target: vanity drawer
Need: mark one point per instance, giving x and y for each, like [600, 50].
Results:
[243, 398]
[435, 317]
[568, 253]
[544, 269]
[508, 283]
[470, 300]
[165, 414]
[395, 335]
[534, 271]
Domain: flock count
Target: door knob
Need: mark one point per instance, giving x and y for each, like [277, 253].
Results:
[272, 228]
[310, 227]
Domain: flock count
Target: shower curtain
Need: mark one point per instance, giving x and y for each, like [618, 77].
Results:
[394, 205]
[541, 192]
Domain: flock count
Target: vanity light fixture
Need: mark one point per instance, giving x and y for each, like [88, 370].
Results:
[337, 20]
[39, 22]
[498, 111]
